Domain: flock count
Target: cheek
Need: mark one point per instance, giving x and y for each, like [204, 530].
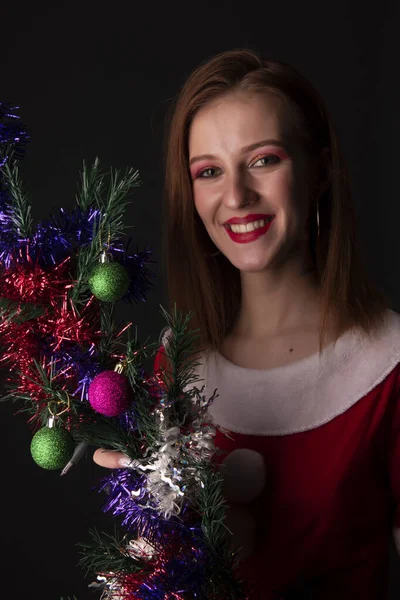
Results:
[279, 187]
[202, 204]
[298, 221]
[293, 198]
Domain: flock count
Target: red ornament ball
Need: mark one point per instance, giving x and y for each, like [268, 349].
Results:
[109, 393]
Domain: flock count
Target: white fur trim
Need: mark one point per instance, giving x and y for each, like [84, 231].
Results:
[396, 537]
[165, 336]
[243, 474]
[305, 394]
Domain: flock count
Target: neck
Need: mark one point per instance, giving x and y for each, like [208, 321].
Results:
[278, 301]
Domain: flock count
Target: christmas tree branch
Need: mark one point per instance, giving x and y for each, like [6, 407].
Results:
[113, 206]
[52, 385]
[104, 432]
[20, 214]
[19, 312]
[91, 187]
[172, 493]
[108, 342]
[180, 352]
[108, 225]
[108, 554]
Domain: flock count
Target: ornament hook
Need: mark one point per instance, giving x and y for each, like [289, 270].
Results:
[55, 415]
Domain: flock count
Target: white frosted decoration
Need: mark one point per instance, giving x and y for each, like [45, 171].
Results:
[243, 528]
[165, 336]
[140, 548]
[243, 472]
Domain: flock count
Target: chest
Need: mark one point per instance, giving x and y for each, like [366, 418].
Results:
[330, 480]
[272, 352]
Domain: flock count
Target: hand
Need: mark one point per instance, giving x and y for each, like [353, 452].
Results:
[110, 459]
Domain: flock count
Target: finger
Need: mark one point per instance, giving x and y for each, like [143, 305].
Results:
[110, 459]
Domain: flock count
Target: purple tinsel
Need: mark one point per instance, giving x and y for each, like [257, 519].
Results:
[137, 518]
[134, 263]
[183, 573]
[58, 237]
[84, 364]
[13, 136]
[53, 240]
[128, 420]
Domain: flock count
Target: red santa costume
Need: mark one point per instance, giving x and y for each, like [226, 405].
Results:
[312, 470]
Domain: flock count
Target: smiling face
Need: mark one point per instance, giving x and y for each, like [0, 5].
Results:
[243, 162]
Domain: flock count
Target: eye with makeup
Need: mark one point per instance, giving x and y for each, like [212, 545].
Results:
[272, 159]
[206, 173]
[212, 172]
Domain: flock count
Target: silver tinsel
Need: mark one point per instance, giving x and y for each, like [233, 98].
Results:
[170, 467]
[110, 586]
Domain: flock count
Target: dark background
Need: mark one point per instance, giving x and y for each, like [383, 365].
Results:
[96, 80]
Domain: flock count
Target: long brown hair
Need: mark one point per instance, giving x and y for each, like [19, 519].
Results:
[207, 283]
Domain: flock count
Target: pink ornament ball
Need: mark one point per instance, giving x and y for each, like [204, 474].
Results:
[109, 393]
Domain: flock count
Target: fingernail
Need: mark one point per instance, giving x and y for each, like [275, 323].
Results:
[125, 461]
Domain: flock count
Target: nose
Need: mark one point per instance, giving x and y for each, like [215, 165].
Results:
[238, 192]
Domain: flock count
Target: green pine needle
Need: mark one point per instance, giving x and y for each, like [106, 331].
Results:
[180, 352]
[212, 506]
[21, 215]
[109, 193]
[105, 432]
[19, 312]
[109, 344]
[53, 393]
[92, 186]
[107, 554]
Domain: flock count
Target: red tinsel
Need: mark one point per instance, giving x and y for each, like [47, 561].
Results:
[64, 324]
[26, 282]
[29, 282]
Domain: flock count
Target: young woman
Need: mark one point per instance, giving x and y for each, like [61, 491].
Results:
[305, 353]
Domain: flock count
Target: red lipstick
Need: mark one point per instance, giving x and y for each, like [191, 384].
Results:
[247, 219]
[249, 236]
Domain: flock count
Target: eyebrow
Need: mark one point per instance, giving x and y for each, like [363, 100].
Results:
[245, 149]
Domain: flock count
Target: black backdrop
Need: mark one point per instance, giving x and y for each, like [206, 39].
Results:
[96, 79]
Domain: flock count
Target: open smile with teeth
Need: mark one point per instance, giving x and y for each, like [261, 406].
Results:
[249, 226]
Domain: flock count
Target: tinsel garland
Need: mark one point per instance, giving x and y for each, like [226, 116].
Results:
[56, 337]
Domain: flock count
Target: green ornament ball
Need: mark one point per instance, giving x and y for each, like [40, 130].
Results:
[52, 447]
[109, 281]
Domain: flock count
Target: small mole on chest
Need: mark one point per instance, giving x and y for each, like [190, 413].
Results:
[291, 350]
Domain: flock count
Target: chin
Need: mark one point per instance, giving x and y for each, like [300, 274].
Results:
[249, 266]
